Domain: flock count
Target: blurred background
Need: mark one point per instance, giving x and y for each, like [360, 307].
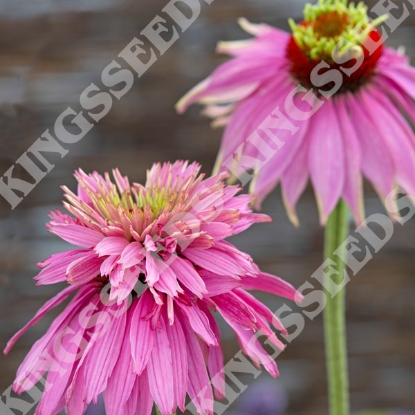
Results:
[50, 51]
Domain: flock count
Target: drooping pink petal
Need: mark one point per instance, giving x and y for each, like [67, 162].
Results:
[199, 323]
[198, 385]
[353, 183]
[187, 275]
[271, 284]
[326, 159]
[160, 371]
[123, 378]
[49, 305]
[76, 234]
[141, 334]
[179, 362]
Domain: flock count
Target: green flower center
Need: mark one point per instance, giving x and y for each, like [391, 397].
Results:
[334, 31]
[329, 23]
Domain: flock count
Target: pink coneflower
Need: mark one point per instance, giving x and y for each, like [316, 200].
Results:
[360, 92]
[151, 266]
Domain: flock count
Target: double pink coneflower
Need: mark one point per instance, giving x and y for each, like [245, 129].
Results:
[151, 266]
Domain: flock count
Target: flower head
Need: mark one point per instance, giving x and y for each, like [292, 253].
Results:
[328, 102]
[151, 266]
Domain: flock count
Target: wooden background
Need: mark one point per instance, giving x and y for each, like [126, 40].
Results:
[50, 50]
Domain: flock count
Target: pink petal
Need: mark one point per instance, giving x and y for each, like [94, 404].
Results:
[103, 356]
[140, 401]
[270, 284]
[132, 255]
[198, 385]
[76, 234]
[51, 304]
[141, 334]
[377, 163]
[353, 184]
[179, 359]
[214, 261]
[187, 275]
[326, 159]
[199, 323]
[84, 269]
[123, 378]
[111, 245]
[160, 371]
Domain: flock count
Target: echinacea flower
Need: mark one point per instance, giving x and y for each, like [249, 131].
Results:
[361, 94]
[151, 266]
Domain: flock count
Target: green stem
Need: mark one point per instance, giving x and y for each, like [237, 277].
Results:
[335, 315]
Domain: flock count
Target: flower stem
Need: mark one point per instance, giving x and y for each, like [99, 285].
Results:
[335, 314]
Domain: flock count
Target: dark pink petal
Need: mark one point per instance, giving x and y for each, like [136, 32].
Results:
[215, 261]
[103, 356]
[51, 304]
[122, 379]
[271, 284]
[38, 361]
[160, 371]
[111, 245]
[199, 323]
[233, 309]
[219, 284]
[198, 385]
[179, 359]
[76, 234]
[215, 359]
[187, 275]
[261, 309]
[140, 401]
[84, 269]
[251, 347]
[141, 334]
